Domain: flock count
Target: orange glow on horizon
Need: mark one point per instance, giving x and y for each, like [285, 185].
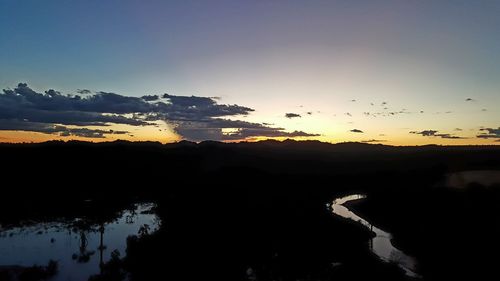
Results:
[34, 137]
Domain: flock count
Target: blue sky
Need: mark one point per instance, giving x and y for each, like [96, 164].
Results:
[275, 57]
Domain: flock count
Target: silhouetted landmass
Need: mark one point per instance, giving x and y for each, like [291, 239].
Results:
[257, 211]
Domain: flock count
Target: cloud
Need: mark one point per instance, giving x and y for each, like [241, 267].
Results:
[448, 136]
[470, 99]
[490, 133]
[309, 113]
[192, 117]
[388, 113]
[356, 131]
[190, 101]
[196, 108]
[20, 125]
[150, 97]
[372, 141]
[89, 133]
[458, 129]
[23, 103]
[266, 132]
[292, 115]
[214, 129]
[434, 133]
[84, 91]
[426, 133]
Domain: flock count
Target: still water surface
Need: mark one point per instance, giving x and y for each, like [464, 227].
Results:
[381, 244]
[78, 250]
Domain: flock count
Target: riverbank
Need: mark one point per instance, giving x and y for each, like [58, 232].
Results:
[381, 243]
[252, 211]
[452, 232]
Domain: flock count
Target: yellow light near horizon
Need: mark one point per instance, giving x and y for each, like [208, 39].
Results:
[160, 132]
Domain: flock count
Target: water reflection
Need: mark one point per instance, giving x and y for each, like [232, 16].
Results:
[79, 247]
[381, 244]
[464, 178]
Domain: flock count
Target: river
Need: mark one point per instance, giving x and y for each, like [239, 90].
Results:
[381, 244]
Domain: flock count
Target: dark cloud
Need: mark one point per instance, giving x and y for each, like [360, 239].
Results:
[196, 108]
[194, 118]
[348, 114]
[458, 129]
[89, 133]
[266, 132]
[150, 97]
[21, 125]
[292, 115]
[84, 92]
[469, 99]
[434, 133]
[372, 141]
[448, 136]
[104, 107]
[23, 97]
[426, 133]
[214, 130]
[491, 133]
[356, 131]
[353, 100]
[23, 103]
[309, 113]
[190, 101]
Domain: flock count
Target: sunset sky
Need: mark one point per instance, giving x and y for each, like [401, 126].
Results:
[392, 72]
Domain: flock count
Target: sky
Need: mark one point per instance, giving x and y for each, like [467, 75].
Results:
[407, 72]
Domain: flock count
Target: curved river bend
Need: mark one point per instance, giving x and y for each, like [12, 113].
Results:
[381, 244]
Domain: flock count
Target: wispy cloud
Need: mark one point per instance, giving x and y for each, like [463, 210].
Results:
[373, 141]
[17, 125]
[490, 133]
[292, 115]
[434, 133]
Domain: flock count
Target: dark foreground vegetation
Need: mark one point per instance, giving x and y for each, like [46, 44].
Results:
[257, 211]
